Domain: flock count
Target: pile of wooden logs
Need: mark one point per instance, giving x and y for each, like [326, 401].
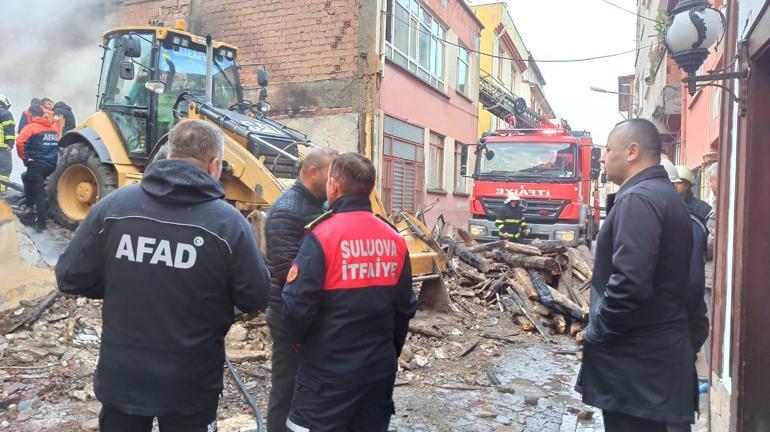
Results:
[545, 286]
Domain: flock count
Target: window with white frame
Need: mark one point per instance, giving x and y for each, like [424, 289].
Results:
[461, 185]
[463, 67]
[415, 41]
[436, 157]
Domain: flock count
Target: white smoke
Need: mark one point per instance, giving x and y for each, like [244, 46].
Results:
[50, 48]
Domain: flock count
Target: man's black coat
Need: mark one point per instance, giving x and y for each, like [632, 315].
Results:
[638, 358]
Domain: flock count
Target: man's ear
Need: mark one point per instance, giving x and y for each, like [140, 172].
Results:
[633, 152]
[213, 168]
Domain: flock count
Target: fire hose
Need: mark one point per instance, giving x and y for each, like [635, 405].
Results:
[249, 399]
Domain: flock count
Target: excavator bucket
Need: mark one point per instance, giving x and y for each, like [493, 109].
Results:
[24, 276]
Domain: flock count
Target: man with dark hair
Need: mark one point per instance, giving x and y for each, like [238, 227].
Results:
[63, 111]
[348, 301]
[170, 259]
[38, 147]
[286, 220]
[638, 360]
[25, 117]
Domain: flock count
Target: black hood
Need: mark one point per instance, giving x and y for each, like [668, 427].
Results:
[180, 182]
[62, 106]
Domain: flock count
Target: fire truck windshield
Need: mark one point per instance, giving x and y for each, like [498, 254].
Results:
[522, 159]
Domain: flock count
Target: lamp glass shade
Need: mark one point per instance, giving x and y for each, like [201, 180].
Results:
[684, 33]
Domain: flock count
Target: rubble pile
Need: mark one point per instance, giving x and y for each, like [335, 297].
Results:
[49, 348]
[542, 287]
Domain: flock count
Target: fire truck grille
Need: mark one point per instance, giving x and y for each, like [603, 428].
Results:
[538, 210]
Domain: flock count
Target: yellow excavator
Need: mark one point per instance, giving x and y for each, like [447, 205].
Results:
[153, 77]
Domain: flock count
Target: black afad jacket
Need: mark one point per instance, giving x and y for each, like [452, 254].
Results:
[170, 258]
[349, 298]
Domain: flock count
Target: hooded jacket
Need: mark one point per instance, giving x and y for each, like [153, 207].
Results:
[638, 358]
[284, 229]
[65, 112]
[170, 258]
[39, 141]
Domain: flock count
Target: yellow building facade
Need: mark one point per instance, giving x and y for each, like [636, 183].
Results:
[511, 74]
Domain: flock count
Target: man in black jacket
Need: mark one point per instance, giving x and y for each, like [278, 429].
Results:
[286, 222]
[638, 360]
[170, 258]
[61, 109]
[348, 301]
[696, 206]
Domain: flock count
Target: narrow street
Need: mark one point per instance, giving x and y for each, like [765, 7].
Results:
[527, 166]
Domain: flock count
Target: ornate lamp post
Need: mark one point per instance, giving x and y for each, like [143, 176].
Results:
[696, 27]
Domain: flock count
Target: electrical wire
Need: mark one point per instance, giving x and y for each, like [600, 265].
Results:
[631, 12]
[576, 60]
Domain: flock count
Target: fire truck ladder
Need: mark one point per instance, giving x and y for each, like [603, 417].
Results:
[501, 102]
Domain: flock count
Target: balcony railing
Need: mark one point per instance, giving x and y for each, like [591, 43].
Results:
[501, 102]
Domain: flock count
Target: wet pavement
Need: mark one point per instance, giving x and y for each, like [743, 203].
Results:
[534, 394]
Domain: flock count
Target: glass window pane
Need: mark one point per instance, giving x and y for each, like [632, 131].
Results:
[386, 146]
[426, 18]
[424, 50]
[433, 52]
[413, 39]
[404, 150]
[401, 29]
[440, 62]
[404, 130]
[118, 91]
[415, 7]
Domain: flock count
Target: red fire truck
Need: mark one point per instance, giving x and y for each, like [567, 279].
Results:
[555, 171]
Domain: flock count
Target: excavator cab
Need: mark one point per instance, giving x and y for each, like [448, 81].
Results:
[150, 79]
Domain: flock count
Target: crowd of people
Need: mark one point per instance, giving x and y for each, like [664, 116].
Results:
[171, 260]
[36, 141]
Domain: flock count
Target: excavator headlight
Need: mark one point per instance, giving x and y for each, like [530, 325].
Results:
[263, 106]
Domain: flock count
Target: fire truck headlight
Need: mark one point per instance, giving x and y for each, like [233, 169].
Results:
[477, 230]
[564, 235]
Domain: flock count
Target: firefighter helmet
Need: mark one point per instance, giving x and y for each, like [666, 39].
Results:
[685, 174]
[673, 175]
[4, 101]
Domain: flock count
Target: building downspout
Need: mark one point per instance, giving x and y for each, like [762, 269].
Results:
[683, 127]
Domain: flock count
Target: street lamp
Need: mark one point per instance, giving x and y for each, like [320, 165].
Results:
[601, 90]
[695, 28]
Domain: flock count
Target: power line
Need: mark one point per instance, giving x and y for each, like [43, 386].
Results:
[631, 12]
[577, 60]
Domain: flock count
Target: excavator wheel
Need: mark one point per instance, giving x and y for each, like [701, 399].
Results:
[79, 181]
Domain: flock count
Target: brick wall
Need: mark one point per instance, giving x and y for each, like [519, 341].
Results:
[296, 40]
